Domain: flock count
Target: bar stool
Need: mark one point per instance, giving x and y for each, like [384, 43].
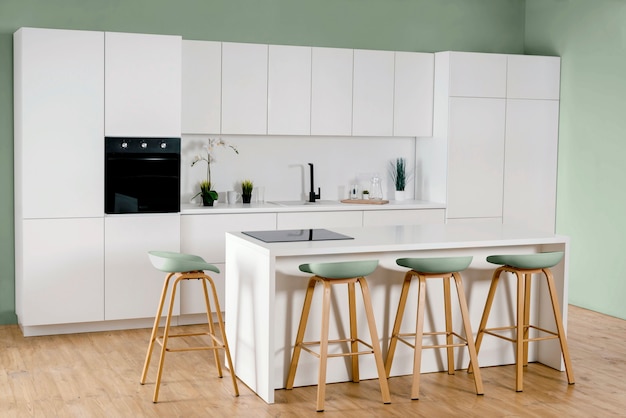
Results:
[524, 266]
[329, 274]
[445, 268]
[186, 267]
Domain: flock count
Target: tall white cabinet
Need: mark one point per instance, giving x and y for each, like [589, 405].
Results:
[496, 137]
[59, 175]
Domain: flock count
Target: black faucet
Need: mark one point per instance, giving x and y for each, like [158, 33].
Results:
[312, 195]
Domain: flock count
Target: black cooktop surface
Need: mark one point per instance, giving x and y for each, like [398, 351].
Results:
[293, 235]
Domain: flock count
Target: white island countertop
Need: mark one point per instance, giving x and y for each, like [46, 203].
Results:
[265, 292]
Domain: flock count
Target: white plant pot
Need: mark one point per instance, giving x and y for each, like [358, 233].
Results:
[400, 195]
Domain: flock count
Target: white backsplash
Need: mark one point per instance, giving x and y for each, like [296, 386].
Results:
[280, 164]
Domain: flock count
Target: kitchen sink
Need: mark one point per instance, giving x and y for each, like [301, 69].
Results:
[305, 203]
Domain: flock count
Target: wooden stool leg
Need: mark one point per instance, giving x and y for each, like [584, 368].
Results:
[297, 349]
[220, 322]
[321, 381]
[519, 333]
[483, 321]
[209, 316]
[559, 326]
[378, 355]
[419, 336]
[448, 318]
[354, 344]
[155, 328]
[527, 282]
[166, 334]
[398, 321]
[478, 382]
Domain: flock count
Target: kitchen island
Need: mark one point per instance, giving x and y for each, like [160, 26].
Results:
[265, 292]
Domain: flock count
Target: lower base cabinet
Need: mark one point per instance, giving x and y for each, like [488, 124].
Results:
[59, 271]
[132, 285]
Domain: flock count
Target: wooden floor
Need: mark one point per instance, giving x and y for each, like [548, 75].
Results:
[97, 375]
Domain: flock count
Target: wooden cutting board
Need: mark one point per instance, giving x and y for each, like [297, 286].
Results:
[366, 201]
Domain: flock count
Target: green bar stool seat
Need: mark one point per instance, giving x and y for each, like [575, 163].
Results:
[523, 266]
[329, 274]
[445, 268]
[180, 267]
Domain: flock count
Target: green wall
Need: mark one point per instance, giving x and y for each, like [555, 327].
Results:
[591, 200]
[409, 25]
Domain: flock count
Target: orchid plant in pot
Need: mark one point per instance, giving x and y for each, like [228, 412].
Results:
[209, 195]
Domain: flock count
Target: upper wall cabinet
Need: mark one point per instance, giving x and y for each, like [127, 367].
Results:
[373, 93]
[477, 75]
[201, 87]
[142, 85]
[331, 91]
[533, 77]
[413, 94]
[289, 90]
[59, 107]
[244, 89]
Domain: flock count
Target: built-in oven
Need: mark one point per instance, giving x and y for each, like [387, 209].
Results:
[142, 175]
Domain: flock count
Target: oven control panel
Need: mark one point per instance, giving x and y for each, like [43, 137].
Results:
[139, 145]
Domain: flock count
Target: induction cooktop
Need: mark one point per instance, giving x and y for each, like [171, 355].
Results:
[294, 235]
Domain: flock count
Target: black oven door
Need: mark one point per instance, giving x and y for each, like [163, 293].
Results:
[142, 175]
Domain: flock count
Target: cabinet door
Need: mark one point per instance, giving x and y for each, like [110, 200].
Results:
[530, 169]
[289, 90]
[142, 85]
[132, 285]
[244, 88]
[373, 93]
[331, 91]
[413, 94]
[60, 274]
[403, 217]
[533, 77]
[59, 107]
[201, 87]
[477, 75]
[297, 220]
[475, 157]
[204, 235]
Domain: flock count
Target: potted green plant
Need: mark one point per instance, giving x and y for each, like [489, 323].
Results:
[206, 187]
[366, 195]
[246, 190]
[399, 176]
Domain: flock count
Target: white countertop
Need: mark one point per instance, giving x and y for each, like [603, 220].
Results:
[323, 206]
[410, 237]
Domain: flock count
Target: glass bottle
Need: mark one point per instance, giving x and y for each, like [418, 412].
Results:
[376, 191]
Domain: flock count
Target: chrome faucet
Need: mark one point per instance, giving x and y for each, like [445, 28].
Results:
[312, 194]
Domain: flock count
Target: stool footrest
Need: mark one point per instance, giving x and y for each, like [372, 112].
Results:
[219, 346]
[401, 337]
[553, 335]
[338, 341]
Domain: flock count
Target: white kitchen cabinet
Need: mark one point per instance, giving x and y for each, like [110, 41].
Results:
[201, 87]
[533, 77]
[289, 90]
[475, 157]
[299, 220]
[132, 286]
[142, 85]
[59, 128]
[331, 91]
[476, 75]
[530, 172]
[244, 88]
[59, 271]
[403, 217]
[373, 88]
[413, 94]
[204, 235]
